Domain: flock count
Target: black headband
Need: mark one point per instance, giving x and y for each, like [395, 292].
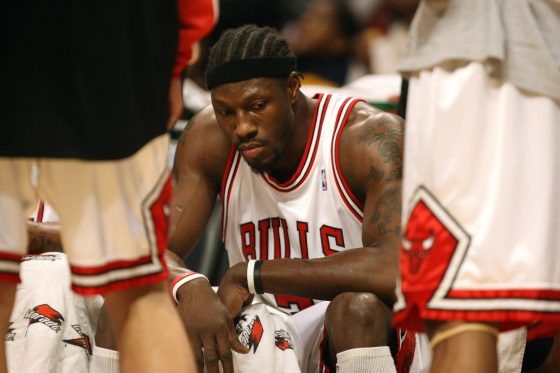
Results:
[239, 70]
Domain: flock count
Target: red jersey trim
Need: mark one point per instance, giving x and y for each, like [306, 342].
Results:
[9, 277]
[109, 267]
[354, 205]
[143, 271]
[9, 257]
[124, 284]
[229, 164]
[323, 349]
[306, 163]
[547, 326]
[9, 267]
[40, 212]
[539, 294]
[227, 182]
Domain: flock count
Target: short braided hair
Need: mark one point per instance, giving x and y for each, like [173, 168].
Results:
[248, 43]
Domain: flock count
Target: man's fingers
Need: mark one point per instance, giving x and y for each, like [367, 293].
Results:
[199, 363]
[198, 355]
[211, 358]
[224, 352]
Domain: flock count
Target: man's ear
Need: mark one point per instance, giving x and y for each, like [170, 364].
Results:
[293, 86]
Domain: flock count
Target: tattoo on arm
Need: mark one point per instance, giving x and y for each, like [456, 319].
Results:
[387, 206]
[387, 136]
[376, 174]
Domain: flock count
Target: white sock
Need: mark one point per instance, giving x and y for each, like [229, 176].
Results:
[104, 360]
[368, 359]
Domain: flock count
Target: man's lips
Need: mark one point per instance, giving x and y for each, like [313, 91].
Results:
[251, 150]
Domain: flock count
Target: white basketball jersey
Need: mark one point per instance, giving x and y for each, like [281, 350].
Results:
[312, 215]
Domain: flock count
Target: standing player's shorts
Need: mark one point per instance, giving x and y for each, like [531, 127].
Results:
[112, 213]
[481, 237]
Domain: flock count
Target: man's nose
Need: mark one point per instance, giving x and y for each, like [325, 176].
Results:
[244, 127]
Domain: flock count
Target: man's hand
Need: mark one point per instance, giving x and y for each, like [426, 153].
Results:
[210, 329]
[233, 290]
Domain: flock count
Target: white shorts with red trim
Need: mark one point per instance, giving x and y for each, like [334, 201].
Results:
[481, 205]
[113, 215]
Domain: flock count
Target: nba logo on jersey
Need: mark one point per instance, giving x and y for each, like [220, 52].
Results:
[323, 179]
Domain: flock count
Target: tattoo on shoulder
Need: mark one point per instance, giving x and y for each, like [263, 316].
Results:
[386, 213]
[387, 135]
[376, 174]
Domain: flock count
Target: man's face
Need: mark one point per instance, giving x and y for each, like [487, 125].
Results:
[257, 116]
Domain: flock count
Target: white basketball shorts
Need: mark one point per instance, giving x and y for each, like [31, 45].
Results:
[481, 204]
[113, 215]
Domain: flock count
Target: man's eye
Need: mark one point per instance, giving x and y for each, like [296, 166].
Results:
[259, 105]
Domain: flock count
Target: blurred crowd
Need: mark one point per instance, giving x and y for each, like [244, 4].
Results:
[336, 41]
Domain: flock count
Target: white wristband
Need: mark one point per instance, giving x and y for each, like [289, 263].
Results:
[251, 276]
[183, 279]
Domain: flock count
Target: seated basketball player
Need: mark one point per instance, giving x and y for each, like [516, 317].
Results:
[310, 192]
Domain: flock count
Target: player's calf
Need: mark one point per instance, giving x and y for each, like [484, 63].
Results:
[463, 346]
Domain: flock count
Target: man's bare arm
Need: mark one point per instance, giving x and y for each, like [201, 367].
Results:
[200, 157]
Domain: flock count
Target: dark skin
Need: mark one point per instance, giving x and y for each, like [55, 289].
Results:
[43, 237]
[274, 117]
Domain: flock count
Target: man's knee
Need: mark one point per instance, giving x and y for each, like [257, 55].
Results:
[358, 320]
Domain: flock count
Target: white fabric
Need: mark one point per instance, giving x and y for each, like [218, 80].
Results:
[370, 359]
[52, 329]
[489, 154]
[511, 348]
[273, 342]
[251, 276]
[187, 278]
[104, 361]
[309, 325]
[484, 158]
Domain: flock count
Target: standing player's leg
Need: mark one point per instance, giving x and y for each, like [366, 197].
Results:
[150, 335]
[16, 200]
[454, 343]
[7, 296]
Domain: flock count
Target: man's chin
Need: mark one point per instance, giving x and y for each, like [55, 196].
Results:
[260, 168]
